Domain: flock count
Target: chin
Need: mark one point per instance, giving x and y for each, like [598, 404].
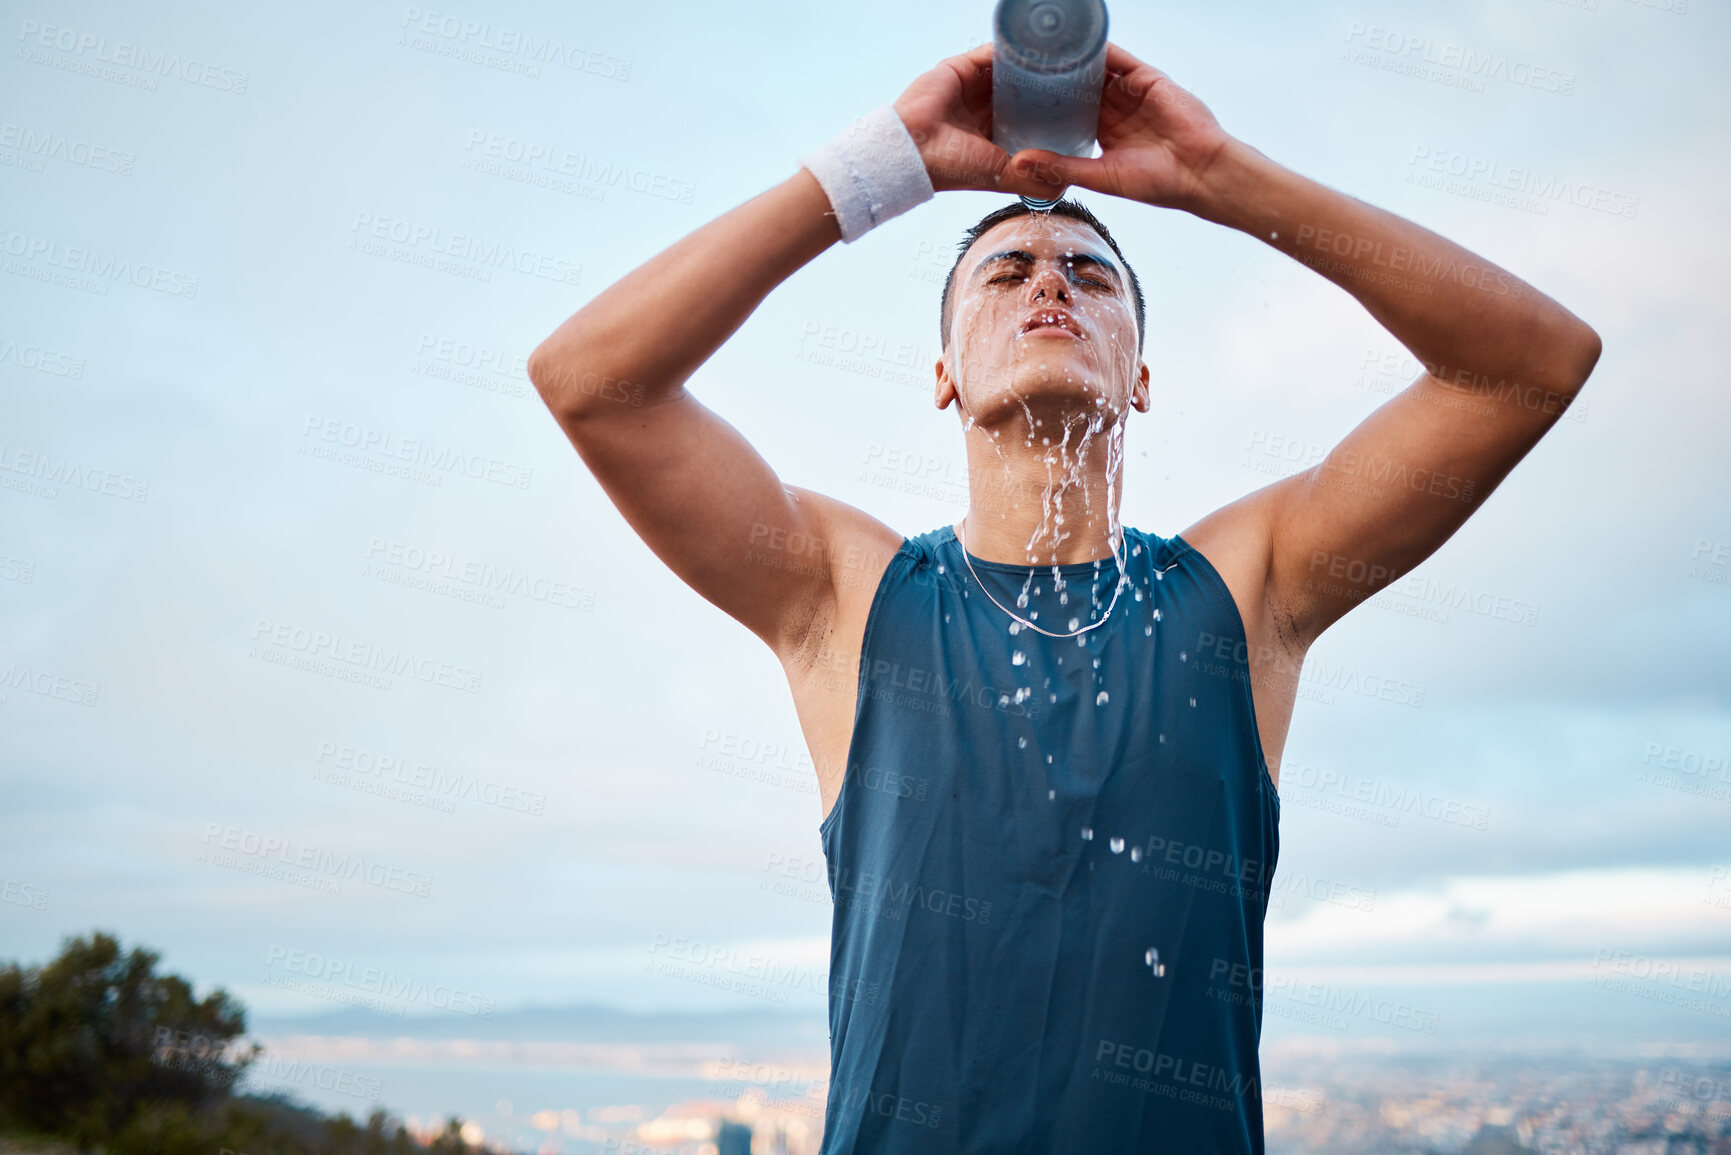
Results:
[1052, 398]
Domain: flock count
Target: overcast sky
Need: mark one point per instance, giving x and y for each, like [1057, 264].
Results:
[247, 263]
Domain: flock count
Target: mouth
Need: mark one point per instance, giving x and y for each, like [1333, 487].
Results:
[1051, 321]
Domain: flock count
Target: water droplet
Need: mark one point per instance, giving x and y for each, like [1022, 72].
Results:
[1183, 656]
[1018, 658]
[1100, 699]
[1087, 833]
[1117, 845]
[1021, 743]
[1156, 613]
[1152, 958]
[1051, 794]
[1193, 702]
[1162, 738]
[1135, 854]
[1004, 700]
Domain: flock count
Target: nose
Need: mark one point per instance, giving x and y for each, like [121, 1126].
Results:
[1048, 281]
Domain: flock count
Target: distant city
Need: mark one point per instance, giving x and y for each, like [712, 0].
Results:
[1484, 1107]
[764, 1092]
[1501, 1106]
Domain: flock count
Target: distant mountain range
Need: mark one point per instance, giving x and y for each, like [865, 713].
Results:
[775, 1029]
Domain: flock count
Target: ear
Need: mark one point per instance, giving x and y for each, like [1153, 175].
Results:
[945, 390]
[1139, 389]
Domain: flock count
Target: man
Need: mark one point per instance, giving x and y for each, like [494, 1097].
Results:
[1048, 745]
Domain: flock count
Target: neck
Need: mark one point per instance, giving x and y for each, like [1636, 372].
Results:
[1040, 504]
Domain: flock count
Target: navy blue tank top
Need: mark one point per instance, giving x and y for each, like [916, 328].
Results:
[1050, 862]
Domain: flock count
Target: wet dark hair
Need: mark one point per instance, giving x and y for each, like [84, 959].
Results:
[1064, 208]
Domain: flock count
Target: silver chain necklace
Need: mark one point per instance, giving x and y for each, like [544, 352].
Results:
[1118, 588]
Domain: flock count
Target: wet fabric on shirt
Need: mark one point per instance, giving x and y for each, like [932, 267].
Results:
[1050, 861]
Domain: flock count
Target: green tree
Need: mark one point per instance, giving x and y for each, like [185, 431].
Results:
[88, 1038]
[97, 1047]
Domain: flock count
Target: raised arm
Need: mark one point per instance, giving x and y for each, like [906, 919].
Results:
[687, 481]
[692, 487]
[1503, 360]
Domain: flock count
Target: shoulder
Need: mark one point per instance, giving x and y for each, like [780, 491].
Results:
[1237, 540]
[853, 549]
[853, 544]
[1151, 553]
[1143, 540]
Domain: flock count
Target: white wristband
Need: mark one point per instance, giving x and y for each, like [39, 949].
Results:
[871, 172]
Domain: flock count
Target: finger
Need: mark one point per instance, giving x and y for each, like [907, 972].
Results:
[1118, 60]
[977, 74]
[1026, 179]
[1129, 79]
[1056, 170]
[972, 63]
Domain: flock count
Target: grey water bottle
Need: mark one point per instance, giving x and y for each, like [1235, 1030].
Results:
[1048, 70]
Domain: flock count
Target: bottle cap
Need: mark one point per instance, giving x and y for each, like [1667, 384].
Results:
[1050, 35]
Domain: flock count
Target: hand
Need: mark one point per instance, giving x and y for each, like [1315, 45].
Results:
[1157, 141]
[948, 112]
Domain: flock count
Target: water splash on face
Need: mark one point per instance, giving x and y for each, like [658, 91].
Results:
[1067, 394]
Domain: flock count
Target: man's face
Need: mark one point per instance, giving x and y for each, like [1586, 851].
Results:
[1042, 328]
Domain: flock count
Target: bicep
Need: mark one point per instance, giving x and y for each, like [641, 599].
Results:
[1389, 495]
[708, 505]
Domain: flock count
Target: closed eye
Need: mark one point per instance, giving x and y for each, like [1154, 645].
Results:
[1016, 276]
